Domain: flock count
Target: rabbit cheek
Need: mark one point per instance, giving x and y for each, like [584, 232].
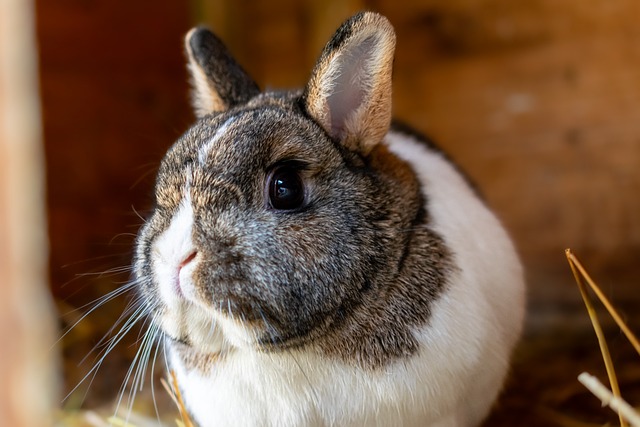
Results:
[252, 311]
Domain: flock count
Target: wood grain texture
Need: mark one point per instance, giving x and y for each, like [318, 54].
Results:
[114, 95]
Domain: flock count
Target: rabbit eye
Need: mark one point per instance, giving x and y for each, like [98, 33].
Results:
[285, 188]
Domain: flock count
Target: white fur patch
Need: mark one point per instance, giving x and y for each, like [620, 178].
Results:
[186, 314]
[477, 322]
[464, 348]
[203, 153]
[170, 249]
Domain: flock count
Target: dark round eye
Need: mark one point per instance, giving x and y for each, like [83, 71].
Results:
[286, 189]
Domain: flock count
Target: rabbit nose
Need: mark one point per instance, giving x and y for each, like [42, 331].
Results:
[187, 260]
[181, 275]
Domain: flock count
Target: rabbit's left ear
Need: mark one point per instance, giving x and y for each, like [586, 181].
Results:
[219, 82]
[349, 93]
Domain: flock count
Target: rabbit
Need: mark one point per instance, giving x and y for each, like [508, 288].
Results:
[310, 263]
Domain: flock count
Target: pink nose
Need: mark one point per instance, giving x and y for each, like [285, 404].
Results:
[187, 260]
[184, 263]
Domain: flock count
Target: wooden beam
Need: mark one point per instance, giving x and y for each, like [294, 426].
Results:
[26, 315]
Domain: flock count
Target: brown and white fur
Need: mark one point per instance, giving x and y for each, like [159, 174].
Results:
[381, 292]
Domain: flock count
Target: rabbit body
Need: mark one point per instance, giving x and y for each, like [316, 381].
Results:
[310, 265]
[451, 381]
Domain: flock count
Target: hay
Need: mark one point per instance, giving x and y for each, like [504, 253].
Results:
[616, 403]
[612, 398]
[133, 418]
[176, 396]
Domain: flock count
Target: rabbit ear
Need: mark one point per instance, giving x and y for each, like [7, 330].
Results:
[349, 93]
[218, 81]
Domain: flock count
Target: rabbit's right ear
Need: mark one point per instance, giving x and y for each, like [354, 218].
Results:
[219, 82]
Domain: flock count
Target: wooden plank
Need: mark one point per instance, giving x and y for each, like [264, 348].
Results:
[27, 361]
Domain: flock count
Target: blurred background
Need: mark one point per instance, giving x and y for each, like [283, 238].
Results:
[538, 100]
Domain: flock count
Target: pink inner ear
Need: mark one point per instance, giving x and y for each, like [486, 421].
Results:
[351, 84]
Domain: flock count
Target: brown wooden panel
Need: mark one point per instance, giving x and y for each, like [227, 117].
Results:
[114, 97]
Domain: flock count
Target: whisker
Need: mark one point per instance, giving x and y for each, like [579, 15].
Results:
[150, 171]
[149, 345]
[128, 325]
[269, 328]
[108, 272]
[137, 368]
[153, 369]
[123, 387]
[143, 219]
[212, 328]
[224, 336]
[132, 310]
[94, 305]
[96, 270]
[128, 319]
[119, 235]
[166, 358]
[104, 298]
[93, 260]
[314, 397]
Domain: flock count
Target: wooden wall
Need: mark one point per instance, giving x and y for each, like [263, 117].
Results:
[114, 98]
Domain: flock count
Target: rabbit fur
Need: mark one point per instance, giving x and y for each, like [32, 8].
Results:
[384, 293]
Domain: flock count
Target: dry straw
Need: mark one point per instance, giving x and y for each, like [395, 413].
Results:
[612, 397]
[176, 396]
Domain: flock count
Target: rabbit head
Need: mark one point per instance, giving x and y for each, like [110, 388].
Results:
[282, 221]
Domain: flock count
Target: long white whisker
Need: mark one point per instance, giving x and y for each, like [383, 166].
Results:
[143, 219]
[129, 324]
[153, 368]
[147, 355]
[131, 312]
[137, 368]
[108, 272]
[95, 305]
[166, 358]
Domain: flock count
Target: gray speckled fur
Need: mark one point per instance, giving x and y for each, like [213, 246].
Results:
[349, 274]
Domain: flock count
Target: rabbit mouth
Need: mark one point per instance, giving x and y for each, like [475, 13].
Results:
[247, 324]
[230, 325]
